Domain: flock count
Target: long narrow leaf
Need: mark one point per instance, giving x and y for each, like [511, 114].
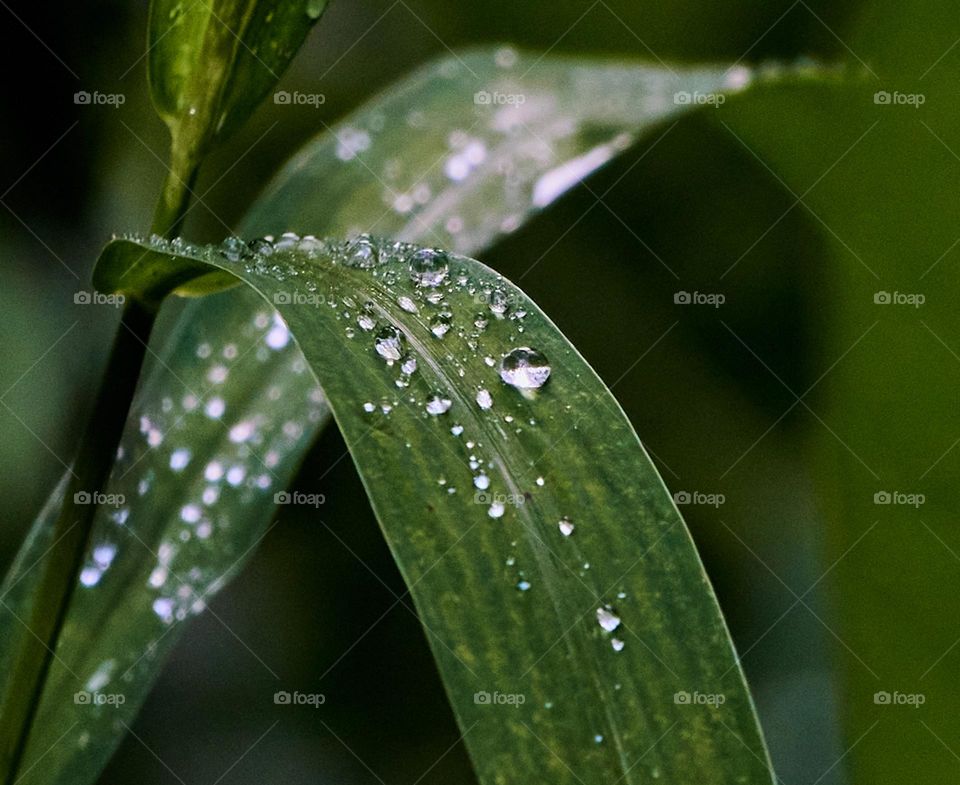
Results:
[574, 627]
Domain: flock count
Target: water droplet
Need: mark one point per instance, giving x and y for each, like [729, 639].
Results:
[456, 430]
[232, 249]
[407, 304]
[607, 619]
[523, 585]
[566, 526]
[481, 481]
[409, 365]
[179, 459]
[617, 644]
[215, 408]
[441, 323]
[438, 404]
[598, 739]
[498, 303]
[484, 399]
[389, 343]
[540, 481]
[496, 510]
[428, 267]
[361, 251]
[525, 368]
[369, 407]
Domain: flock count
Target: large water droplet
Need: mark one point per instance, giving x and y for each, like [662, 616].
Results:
[566, 526]
[525, 368]
[428, 267]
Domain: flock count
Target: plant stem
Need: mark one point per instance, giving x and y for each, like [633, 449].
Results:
[175, 197]
[71, 532]
[60, 568]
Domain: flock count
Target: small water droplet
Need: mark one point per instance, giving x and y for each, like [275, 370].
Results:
[407, 304]
[566, 526]
[523, 585]
[617, 644]
[409, 365]
[438, 404]
[496, 510]
[484, 399]
[441, 323]
[607, 619]
[389, 343]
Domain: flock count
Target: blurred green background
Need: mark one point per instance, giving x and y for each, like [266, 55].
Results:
[713, 416]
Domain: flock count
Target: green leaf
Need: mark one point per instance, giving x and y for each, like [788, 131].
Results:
[467, 147]
[543, 552]
[114, 621]
[211, 62]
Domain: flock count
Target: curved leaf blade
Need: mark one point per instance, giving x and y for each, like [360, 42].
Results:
[610, 632]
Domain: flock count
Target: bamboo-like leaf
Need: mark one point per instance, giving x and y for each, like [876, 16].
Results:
[113, 629]
[210, 62]
[574, 627]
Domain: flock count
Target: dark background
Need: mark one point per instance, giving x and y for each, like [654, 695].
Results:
[69, 177]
